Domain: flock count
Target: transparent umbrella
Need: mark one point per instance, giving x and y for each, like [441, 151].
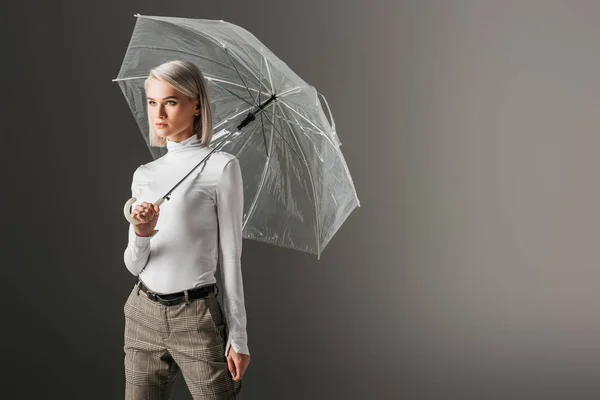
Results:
[297, 187]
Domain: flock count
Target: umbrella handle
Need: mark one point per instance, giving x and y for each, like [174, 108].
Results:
[127, 209]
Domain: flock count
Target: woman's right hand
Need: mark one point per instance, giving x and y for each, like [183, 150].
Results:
[147, 214]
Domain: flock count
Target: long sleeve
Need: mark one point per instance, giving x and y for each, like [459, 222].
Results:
[138, 248]
[230, 209]
[137, 252]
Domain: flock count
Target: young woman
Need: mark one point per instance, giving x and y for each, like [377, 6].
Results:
[173, 319]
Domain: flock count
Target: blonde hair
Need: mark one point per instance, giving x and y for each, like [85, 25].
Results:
[185, 77]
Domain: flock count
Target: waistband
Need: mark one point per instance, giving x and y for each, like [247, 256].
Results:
[172, 299]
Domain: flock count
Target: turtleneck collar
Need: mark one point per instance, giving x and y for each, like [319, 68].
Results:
[190, 143]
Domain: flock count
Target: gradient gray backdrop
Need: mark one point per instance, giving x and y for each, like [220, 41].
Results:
[471, 129]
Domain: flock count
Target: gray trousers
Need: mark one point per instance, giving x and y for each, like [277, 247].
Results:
[162, 341]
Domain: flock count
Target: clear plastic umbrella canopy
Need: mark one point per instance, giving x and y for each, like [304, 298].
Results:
[297, 187]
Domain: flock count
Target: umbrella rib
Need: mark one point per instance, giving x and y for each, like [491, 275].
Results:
[312, 185]
[262, 122]
[288, 92]
[247, 68]
[296, 122]
[311, 123]
[304, 118]
[222, 64]
[241, 61]
[269, 73]
[259, 80]
[280, 245]
[211, 78]
[335, 148]
[233, 116]
[280, 134]
[233, 94]
[263, 177]
[206, 35]
[130, 78]
[171, 20]
[238, 72]
[249, 136]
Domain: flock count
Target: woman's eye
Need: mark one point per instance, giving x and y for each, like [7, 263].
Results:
[152, 103]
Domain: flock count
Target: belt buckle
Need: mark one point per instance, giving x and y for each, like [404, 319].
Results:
[156, 297]
[151, 295]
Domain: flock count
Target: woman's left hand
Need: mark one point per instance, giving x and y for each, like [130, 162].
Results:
[237, 363]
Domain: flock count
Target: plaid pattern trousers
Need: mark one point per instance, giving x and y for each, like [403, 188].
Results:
[162, 341]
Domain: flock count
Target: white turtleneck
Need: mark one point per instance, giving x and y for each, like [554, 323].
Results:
[199, 226]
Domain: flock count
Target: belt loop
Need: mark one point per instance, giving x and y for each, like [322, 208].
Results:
[187, 297]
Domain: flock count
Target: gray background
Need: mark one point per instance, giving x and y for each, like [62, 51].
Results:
[470, 271]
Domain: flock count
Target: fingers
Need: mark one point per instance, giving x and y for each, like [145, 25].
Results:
[237, 364]
[145, 212]
[240, 368]
[232, 369]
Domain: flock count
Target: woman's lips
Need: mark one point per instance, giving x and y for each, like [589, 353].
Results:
[160, 125]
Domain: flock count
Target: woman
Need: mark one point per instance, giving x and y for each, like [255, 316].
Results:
[173, 319]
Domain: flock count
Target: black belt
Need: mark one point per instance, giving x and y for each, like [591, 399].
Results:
[172, 299]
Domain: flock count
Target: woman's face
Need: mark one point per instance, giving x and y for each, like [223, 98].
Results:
[170, 111]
